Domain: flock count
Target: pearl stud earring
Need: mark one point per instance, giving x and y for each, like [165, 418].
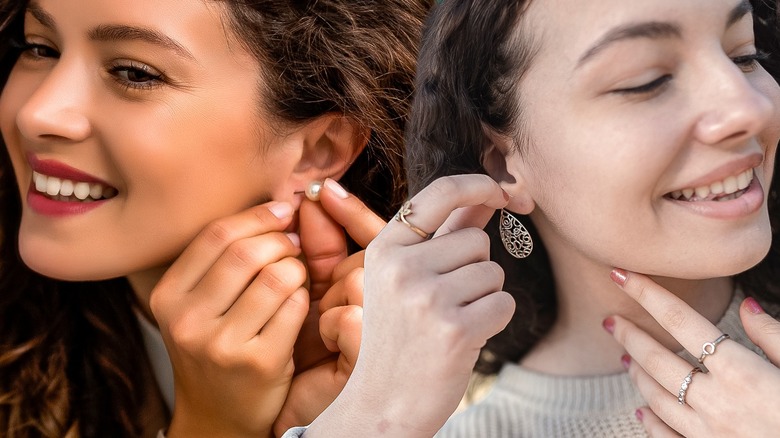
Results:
[313, 190]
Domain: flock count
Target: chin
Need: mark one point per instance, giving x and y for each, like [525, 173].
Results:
[72, 269]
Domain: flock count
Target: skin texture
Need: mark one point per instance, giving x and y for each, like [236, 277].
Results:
[710, 109]
[428, 309]
[735, 373]
[609, 131]
[185, 199]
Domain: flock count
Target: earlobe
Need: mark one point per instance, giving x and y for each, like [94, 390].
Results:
[500, 161]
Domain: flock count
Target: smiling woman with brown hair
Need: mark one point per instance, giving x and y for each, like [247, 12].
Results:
[131, 129]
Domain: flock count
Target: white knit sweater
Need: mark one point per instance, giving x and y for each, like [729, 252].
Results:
[523, 403]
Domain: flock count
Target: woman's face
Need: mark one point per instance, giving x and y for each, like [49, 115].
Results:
[653, 134]
[130, 126]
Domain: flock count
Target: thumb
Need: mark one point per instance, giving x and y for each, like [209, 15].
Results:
[761, 328]
[361, 223]
[323, 244]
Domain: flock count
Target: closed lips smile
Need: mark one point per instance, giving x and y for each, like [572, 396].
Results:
[66, 190]
[731, 187]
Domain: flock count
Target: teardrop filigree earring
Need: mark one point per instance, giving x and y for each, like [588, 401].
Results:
[516, 238]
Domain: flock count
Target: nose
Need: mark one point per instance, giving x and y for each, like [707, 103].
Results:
[736, 107]
[56, 109]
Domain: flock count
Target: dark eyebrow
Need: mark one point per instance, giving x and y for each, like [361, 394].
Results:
[736, 14]
[119, 32]
[652, 30]
[655, 30]
[42, 16]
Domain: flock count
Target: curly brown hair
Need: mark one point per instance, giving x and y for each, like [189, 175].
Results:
[72, 360]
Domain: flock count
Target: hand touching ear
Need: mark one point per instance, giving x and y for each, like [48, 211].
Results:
[328, 345]
[229, 310]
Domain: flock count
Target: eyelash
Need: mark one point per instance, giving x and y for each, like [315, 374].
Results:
[746, 63]
[119, 71]
[123, 69]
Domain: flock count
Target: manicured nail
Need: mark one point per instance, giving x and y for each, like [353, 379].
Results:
[281, 210]
[639, 415]
[625, 360]
[619, 276]
[609, 324]
[295, 239]
[336, 188]
[752, 306]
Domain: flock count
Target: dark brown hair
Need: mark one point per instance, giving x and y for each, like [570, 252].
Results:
[71, 356]
[454, 108]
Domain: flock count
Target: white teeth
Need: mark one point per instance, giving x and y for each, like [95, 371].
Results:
[61, 189]
[728, 186]
[81, 190]
[742, 181]
[702, 192]
[40, 182]
[66, 189]
[95, 191]
[53, 186]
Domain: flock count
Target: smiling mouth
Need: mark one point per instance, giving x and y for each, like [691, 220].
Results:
[726, 190]
[65, 190]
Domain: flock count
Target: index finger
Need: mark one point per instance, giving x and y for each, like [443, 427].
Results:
[434, 204]
[361, 223]
[687, 326]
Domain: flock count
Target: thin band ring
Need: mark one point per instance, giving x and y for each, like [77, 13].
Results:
[708, 348]
[685, 383]
[406, 210]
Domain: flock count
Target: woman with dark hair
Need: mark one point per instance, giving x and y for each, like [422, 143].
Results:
[180, 137]
[628, 138]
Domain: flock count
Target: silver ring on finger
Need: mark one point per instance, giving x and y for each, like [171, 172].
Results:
[406, 210]
[685, 384]
[708, 349]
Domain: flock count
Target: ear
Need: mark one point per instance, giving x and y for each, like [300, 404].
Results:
[503, 163]
[330, 144]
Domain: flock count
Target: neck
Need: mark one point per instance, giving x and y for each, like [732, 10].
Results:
[577, 344]
[142, 284]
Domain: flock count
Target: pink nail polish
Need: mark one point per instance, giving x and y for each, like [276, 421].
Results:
[609, 324]
[295, 239]
[752, 306]
[336, 188]
[281, 210]
[625, 360]
[639, 415]
[619, 276]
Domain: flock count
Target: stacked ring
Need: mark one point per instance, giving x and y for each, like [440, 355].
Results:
[708, 348]
[685, 383]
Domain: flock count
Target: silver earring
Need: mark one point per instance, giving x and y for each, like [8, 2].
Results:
[313, 190]
[516, 238]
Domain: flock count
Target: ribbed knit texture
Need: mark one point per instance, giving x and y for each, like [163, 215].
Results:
[523, 403]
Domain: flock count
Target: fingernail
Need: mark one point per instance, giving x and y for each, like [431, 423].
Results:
[336, 188]
[625, 360]
[639, 415]
[295, 239]
[752, 306]
[619, 276]
[609, 324]
[281, 210]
